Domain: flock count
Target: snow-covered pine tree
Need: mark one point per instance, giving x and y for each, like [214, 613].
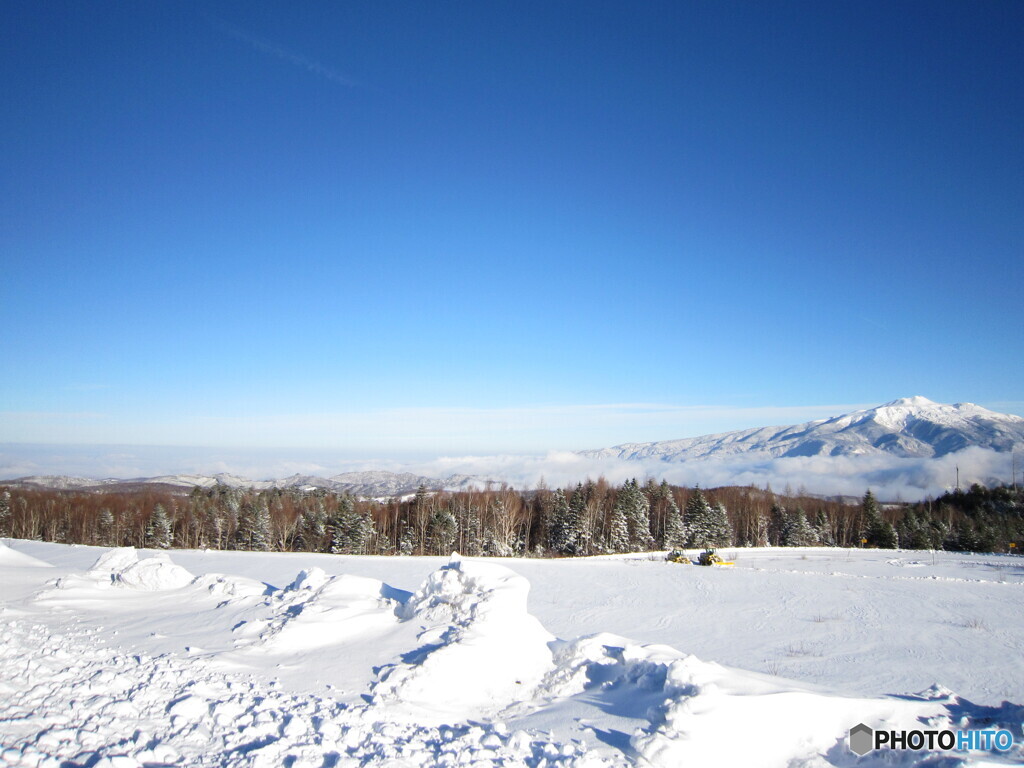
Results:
[342, 526]
[472, 533]
[407, 540]
[720, 526]
[362, 535]
[618, 531]
[301, 540]
[823, 529]
[5, 512]
[262, 536]
[253, 530]
[215, 527]
[675, 531]
[706, 526]
[877, 531]
[158, 529]
[776, 522]
[635, 509]
[105, 528]
[566, 536]
[442, 531]
[797, 531]
[578, 518]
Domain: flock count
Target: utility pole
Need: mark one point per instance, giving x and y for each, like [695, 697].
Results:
[958, 478]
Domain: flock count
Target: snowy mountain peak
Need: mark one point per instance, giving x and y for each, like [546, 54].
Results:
[908, 402]
[911, 427]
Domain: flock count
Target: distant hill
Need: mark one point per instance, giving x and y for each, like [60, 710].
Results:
[371, 484]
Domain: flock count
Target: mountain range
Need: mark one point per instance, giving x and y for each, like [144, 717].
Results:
[912, 427]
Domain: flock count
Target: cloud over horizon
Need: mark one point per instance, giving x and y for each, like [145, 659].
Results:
[890, 477]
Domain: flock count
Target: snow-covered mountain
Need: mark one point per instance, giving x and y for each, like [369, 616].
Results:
[912, 427]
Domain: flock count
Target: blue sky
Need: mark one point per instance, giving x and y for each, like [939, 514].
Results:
[421, 228]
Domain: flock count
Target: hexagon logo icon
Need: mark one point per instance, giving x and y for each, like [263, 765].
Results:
[861, 739]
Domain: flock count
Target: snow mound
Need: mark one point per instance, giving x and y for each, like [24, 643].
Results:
[154, 574]
[480, 650]
[230, 587]
[318, 610]
[123, 568]
[115, 560]
[694, 708]
[12, 559]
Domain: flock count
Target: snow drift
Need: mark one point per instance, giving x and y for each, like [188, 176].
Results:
[478, 644]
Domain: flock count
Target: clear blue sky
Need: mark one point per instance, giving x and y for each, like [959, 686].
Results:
[359, 225]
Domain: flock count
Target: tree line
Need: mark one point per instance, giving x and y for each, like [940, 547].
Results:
[591, 518]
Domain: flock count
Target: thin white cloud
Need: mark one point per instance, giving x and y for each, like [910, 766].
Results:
[1016, 407]
[402, 432]
[280, 52]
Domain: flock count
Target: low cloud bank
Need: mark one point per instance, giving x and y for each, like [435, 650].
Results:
[889, 477]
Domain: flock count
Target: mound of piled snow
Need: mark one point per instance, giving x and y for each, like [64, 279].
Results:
[153, 574]
[115, 560]
[480, 651]
[697, 709]
[317, 610]
[11, 559]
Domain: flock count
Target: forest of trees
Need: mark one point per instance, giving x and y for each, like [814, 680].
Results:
[590, 518]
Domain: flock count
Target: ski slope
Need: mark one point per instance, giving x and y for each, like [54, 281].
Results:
[129, 658]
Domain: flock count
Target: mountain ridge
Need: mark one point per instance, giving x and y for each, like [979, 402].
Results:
[910, 427]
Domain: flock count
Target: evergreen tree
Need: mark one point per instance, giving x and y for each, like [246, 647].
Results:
[776, 522]
[407, 540]
[5, 512]
[442, 531]
[876, 531]
[578, 517]
[262, 535]
[823, 529]
[215, 527]
[350, 531]
[705, 526]
[301, 541]
[721, 529]
[472, 534]
[363, 533]
[567, 536]
[105, 528]
[158, 529]
[675, 531]
[618, 531]
[797, 531]
[253, 529]
[635, 509]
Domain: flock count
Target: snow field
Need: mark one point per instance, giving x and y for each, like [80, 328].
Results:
[125, 658]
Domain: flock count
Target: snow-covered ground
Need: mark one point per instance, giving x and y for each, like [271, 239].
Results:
[130, 658]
